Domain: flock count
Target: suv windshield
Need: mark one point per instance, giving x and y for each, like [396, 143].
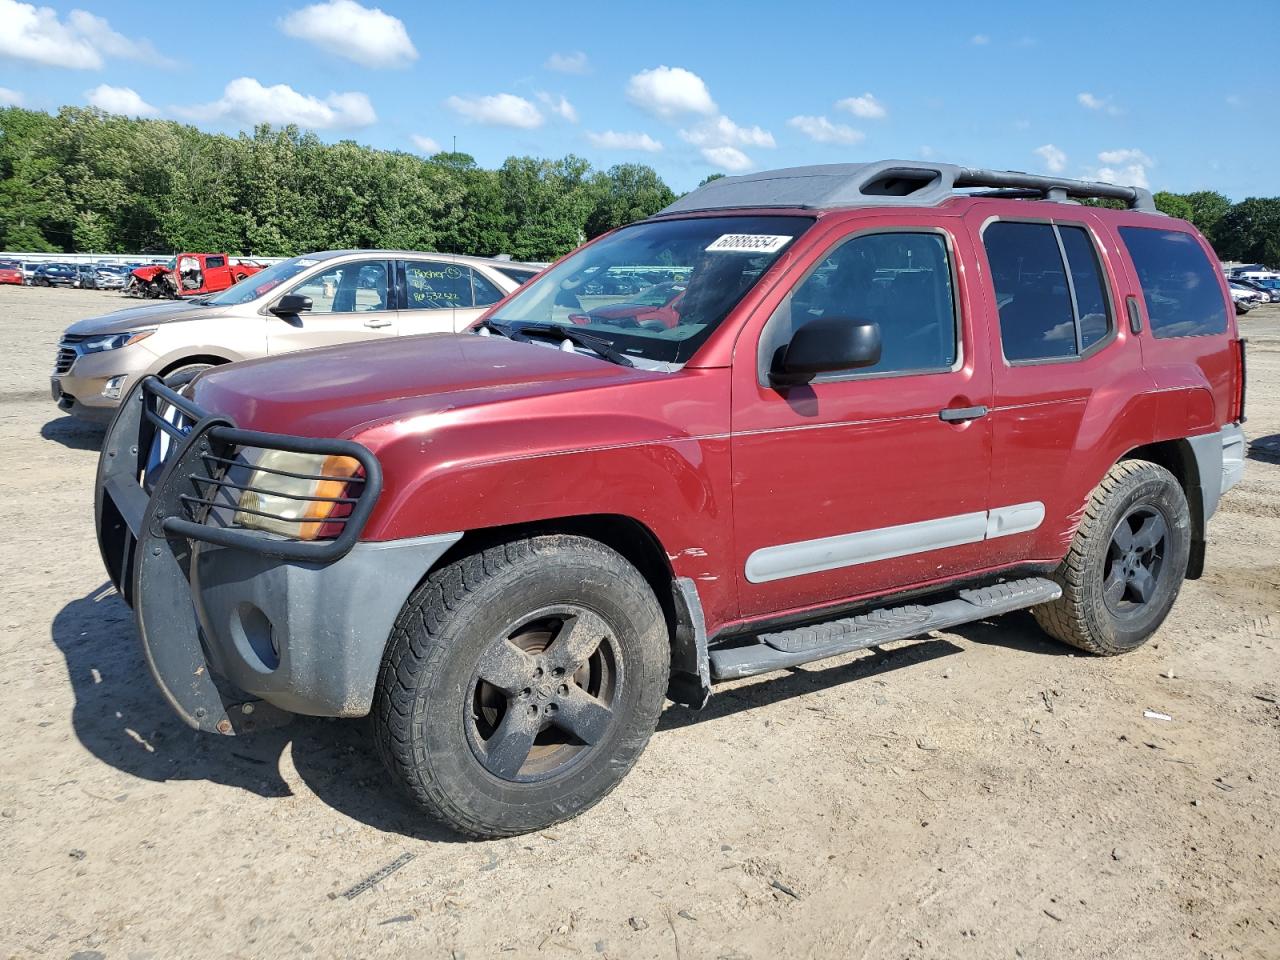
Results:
[258, 284]
[603, 288]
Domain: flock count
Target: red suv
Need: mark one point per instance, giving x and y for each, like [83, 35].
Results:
[896, 397]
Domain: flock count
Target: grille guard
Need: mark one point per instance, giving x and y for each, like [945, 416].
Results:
[146, 530]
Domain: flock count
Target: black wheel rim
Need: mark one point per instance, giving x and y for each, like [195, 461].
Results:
[1135, 561]
[543, 694]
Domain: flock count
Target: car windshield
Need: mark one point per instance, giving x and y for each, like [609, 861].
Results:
[715, 259]
[256, 285]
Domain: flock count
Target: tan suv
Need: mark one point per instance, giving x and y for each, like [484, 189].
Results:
[310, 301]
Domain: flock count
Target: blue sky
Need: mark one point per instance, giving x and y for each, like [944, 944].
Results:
[1165, 94]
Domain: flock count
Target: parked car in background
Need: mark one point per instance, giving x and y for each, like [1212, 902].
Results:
[103, 276]
[1246, 297]
[29, 269]
[189, 275]
[1260, 286]
[11, 272]
[889, 407]
[320, 299]
[55, 275]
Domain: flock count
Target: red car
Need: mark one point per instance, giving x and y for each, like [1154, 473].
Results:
[189, 275]
[10, 272]
[657, 307]
[901, 396]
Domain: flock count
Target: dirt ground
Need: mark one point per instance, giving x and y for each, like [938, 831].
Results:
[980, 793]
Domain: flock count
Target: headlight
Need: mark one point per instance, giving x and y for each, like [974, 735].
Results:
[113, 341]
[300, 491]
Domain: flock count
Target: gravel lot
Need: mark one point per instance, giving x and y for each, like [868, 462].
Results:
[981, 793]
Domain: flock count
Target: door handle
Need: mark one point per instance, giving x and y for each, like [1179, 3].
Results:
[961, 414]
[374, 324]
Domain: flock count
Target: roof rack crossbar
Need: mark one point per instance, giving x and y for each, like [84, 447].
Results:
[1136, 198]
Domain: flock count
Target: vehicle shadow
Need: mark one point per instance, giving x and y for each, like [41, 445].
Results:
[1266, 449]
[74, 434]
[1016, 631]
[801, 681]
[122, 719]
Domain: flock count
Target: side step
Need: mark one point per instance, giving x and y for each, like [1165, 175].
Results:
[789, 648]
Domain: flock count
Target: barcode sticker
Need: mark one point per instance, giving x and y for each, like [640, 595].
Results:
[748, 243]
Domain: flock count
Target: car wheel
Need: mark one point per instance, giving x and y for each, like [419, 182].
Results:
[1126, 563]
[180, 376]
[521, 683]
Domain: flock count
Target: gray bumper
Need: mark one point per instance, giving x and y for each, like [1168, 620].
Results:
[1220, 461]
[306, 637]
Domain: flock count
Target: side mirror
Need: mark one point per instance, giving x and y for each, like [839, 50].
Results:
[291, 304]
[827, 345]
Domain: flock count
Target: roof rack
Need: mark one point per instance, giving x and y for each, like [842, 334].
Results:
[893, 183]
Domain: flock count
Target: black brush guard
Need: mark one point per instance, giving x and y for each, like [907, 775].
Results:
[147, 525]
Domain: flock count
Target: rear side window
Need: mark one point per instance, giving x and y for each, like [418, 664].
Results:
[1049, 289]
[1180, 286]
[215, 261]
[486, 290]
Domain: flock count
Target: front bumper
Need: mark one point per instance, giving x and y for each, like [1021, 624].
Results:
[231, 618]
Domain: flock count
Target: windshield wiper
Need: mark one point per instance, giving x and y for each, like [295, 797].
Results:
[597, 345]
[496, 327]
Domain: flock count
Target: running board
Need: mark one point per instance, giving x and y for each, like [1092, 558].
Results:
[790, 648]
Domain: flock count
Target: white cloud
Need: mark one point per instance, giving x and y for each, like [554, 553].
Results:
[248, 101]
[498, 110]
[575, 62]
[1100, 104]
[82, 42]
[559, 106]
[346, 29]
[613, 140]
[1128, 167]
[121, 100]
[10, 98]
[424, 144]
[728, 158]
[979, 39]
[723, 132]
[822, 130]
[866, 106]
[1113, 157]
[1055, 161]
[670, 91]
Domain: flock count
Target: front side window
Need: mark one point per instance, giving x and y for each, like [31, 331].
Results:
[1181, 289]
[899, 281]
[1046, 312]
[357, 287]
[714, 259]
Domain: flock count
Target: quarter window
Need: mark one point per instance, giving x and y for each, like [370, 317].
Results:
[436, 285]
[1049, 289]
[899, 281]
[486, 290]
[1182, 290]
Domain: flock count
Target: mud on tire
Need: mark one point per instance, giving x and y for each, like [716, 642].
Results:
[1126, 563]
[521, 683]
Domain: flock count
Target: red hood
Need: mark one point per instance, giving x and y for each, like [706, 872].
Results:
[343, 390]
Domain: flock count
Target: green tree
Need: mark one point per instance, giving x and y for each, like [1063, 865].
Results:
[1250, 231]
[626, 193]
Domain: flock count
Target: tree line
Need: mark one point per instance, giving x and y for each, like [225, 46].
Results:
[86, 181]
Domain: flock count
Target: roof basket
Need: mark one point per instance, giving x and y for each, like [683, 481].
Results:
[892, 183]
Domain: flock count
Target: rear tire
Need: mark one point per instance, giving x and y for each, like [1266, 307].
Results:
[521, 684]
[1126, 563]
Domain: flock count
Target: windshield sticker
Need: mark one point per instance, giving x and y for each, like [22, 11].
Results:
[306, 262]
[748, 243]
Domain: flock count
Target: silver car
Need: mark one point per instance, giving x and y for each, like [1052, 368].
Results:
[309, 301]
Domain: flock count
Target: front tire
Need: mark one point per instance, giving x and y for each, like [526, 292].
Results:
[521, 684]
[1126, 563]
